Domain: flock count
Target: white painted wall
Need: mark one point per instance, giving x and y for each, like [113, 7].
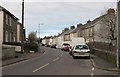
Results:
[60, 41]
[18, 32]
[1, 27]
[43, 41]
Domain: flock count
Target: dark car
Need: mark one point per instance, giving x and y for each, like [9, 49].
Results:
[65, 47]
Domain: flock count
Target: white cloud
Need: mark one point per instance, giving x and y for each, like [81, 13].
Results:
[60, 0]
[57, 15]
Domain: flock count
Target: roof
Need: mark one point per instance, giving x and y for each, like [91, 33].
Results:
[90, 24]
[75, 30]
[5, 10]
[68, 32]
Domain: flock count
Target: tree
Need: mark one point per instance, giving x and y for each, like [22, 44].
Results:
[31, 44]
[32, 37]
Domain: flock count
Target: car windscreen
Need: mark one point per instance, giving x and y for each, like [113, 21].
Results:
[81, 47]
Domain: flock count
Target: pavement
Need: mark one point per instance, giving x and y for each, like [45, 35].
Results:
[96, 61]
[21, 57]
[103, 64]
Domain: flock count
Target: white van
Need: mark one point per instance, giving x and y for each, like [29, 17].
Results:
[80, 50]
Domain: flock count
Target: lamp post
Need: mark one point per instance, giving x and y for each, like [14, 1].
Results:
[22, 35]
[39, 31]
[118, 34]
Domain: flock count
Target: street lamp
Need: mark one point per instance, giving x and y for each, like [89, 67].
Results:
[22, 35]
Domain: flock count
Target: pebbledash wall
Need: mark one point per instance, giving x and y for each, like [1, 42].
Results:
[1, 27]
[1, 37]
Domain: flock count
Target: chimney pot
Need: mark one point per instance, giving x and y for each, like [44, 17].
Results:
[72, 27]
[111, 10]
[78, 25]
[66, 29]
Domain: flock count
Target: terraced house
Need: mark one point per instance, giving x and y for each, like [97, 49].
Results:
[100, 34]
[10, 31]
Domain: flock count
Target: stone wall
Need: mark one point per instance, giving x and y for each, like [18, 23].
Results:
[8, 52]
[103, 51]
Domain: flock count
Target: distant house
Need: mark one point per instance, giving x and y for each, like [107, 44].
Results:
[55, 40]
[61, 38]
[76, 32]
[44, 41]
[67, 37]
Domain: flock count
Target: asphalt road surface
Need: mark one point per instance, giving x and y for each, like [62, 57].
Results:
[54, 62]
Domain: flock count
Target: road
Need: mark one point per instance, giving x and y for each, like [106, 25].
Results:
[54, 62]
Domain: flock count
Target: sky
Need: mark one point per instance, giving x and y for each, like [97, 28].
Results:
[52, 16]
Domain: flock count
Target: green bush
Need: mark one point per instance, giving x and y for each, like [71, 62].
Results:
[33, 46]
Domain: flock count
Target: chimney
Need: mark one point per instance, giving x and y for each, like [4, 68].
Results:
[72, 27]
[111, 10]
[78, 25]
[66, 29]
[88, 21]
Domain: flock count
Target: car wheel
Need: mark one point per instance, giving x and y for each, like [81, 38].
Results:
[70, 53]
[73, 56]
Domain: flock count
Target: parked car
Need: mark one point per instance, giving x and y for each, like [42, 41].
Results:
[53, 46]
[80, 51]
[65, 47]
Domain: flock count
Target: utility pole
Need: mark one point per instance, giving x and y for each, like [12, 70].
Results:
[22, 35]
[118, 34]
[39, 32]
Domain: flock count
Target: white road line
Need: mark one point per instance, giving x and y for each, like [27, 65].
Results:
[56, 59]
[61, 54]
[41, 67]
[92, 74]
[93, 69]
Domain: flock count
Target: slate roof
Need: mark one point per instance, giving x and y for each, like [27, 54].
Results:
[5, 10]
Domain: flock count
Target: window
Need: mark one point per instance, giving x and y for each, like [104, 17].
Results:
[6, 36]
[10, 37]
[6, 19]
[10, 21]
[81, 47]
[14, 37]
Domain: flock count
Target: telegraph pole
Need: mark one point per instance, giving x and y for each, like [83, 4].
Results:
[118, 34]
[22, 35]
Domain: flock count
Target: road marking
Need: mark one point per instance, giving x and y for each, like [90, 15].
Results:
[93, 69]
[56, 59]
[92, 74]
[41, 67]
[61, 54]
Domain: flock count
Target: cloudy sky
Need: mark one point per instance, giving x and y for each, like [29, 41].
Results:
[54, 16]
